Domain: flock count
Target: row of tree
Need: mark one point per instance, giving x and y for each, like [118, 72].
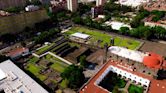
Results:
[46, 35]
[145, 32]
[141, 31]
[137, 20]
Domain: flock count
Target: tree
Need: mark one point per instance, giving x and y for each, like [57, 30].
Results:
[124, 30]
[159, 32]
[7, 38]
[77, 20]
[88, 21]
[14, 9]
[3, 58]
[115, 90]
[82, 60]
[74, 74]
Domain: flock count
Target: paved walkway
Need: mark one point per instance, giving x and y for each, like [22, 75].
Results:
[125, 89]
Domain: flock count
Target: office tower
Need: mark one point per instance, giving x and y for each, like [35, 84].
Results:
[100, 2]
[72, 5]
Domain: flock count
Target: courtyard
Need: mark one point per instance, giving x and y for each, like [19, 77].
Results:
[113, 82]
[47, 69]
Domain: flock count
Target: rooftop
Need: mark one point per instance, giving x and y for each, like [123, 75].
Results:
[17, 81]
[133, 3]
[17, 51]
[80, 35]
[116, 25]
[156, 86]
[127, 53]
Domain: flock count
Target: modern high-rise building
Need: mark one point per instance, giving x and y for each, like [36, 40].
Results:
[100, 2]
[72, 5]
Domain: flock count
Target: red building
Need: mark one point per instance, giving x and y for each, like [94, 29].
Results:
[149, 83]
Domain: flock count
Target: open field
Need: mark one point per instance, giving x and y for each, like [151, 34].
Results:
[105, 38]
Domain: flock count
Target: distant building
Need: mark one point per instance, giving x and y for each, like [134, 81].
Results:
[116, 25]
[148, 22]
[96, 11]
[100, 2]
[79, 37]
[16, 53]
[156, 5]
[14, 80]
[132, 66]
[4, 13]
[12, 3]
[31, 8]
[72, 5]
[132, 3]
[58, 5]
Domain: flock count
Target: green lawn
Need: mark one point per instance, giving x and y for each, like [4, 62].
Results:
[64, 83]
[58, 64]
[40, 51]
[96, 35]
[35, 70]
[33, 59]
[135, 89]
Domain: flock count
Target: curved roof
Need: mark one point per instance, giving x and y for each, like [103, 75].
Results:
[152, 61]
[127, 53]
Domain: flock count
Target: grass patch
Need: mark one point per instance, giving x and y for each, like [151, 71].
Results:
[35, 70]
[58, 64]
[135, 89]
[97, 35]
[43, 49]
[33, 60]
[64, 83]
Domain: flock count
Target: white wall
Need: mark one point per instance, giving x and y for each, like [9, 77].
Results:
[133, 77]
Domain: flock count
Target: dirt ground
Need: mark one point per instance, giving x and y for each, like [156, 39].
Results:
[155, 47]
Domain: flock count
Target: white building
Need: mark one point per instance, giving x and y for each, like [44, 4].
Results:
[31, 8]
[100, 2]
[132, 3]
[127, 53]
[116, 25]
[72, 5]
[80, 35]
[14, 80]
[138, 79]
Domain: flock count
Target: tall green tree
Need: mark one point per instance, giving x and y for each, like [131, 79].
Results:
[82, 61]
[74, 74]
[124, 30]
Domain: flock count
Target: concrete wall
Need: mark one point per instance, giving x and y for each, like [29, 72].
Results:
[16, 23]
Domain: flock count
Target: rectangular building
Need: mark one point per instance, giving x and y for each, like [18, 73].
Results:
[14, 80]
[72, 5]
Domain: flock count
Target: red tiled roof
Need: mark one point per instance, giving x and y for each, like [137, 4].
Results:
[90, 87]
[153, 60]
[17, 51]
